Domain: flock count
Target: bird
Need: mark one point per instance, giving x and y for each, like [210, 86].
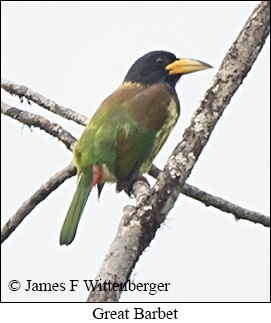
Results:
[128, 129]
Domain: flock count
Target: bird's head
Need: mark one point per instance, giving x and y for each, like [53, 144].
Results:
[162, 66]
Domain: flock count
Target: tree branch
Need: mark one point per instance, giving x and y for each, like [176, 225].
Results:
[225, 206]
[23, 91]
[218, 202]
[140, 223]
[31, 119]
[40, 195]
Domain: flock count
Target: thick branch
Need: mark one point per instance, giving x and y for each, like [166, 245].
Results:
[31, 119]
[140, 224]
[24, 92]
[35, 199]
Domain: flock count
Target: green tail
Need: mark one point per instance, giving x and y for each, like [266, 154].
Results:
[75, 211]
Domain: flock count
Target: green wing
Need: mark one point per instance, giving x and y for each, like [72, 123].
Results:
[132, 149]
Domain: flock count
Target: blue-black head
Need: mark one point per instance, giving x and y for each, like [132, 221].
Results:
[161, 66]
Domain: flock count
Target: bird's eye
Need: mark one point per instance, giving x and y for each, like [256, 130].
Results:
[160, 61]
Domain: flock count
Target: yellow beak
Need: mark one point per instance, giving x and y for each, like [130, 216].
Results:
[185, 66]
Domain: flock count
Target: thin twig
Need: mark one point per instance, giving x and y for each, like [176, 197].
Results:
[40, 195]
[225, 206]
[31, 119]
[23, 91]
[211, 200]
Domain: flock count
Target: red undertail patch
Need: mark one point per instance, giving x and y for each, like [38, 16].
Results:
[97, 175]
